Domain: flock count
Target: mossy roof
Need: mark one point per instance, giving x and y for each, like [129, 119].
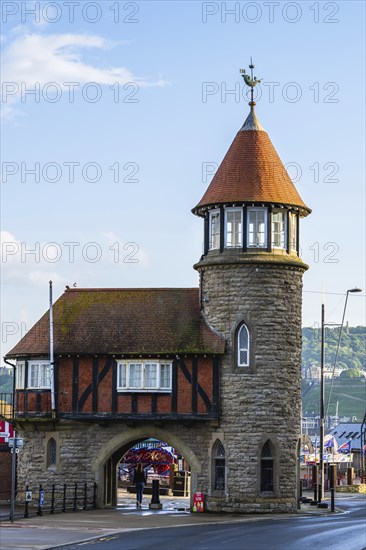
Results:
[123, 321]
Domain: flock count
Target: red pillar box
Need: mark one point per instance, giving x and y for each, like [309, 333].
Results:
[198, 502]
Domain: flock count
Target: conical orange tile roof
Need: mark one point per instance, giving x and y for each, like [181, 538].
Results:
[251, 171]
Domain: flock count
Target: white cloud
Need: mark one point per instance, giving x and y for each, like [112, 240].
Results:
[38, 58]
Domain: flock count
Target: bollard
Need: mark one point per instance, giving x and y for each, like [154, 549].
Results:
[64, 499]
[319, 492]
[155, 499]
[332, 476]
[332, 508]
[75, 497]
[85, 496]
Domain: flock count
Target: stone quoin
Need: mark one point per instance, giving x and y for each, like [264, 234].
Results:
[214, 371]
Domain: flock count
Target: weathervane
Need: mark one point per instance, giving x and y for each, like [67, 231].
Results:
[250, 80]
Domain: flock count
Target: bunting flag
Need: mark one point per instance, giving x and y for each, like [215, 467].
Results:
[346, 447]
[329, 443]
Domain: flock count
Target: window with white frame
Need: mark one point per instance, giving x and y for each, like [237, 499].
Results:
[20, 375]
[144, 376]
[214, 221]
[279, 229]
[257, 227]
[39, 374]
[293, 231]
[233, 227]
[243, 346]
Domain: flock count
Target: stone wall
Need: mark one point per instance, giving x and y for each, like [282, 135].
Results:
[262, 401]
[84, 448]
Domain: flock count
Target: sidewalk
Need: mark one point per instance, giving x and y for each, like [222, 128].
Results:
[52, 531]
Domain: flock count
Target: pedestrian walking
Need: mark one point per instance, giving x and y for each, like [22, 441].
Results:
[139, 481]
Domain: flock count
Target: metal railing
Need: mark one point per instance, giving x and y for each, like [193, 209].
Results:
[56, 498]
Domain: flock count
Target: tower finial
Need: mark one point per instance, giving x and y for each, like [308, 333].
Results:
[250, 81]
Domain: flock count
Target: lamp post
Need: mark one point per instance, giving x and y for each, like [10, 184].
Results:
[322, 393]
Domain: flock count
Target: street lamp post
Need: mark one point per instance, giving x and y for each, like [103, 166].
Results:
[321, 407]
[322, 388]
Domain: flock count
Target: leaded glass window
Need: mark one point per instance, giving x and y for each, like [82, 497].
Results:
[243, 346]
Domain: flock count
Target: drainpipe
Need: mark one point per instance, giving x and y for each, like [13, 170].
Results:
[52, 370]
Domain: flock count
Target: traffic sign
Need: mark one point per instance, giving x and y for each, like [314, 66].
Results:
[41, 498]
[28, 496]
[17, 442]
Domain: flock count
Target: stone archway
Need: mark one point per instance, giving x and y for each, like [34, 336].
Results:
[104, 465]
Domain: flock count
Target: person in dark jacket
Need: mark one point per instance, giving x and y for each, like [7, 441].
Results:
[139, 481]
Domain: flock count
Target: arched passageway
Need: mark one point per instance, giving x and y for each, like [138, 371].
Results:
[105, 464]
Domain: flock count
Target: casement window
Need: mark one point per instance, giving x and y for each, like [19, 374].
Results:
[214, 221]
[144, 376]
[257, 227]
[293, 232]
[243, 346]
[233, 227]
[20, 375]
[279, 236]
[39, 374]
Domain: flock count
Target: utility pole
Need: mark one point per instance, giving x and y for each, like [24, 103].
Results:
[322, 397]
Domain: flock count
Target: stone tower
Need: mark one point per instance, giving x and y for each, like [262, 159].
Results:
[251, 282]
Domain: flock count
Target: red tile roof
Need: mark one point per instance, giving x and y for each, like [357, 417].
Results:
[123, 321]
[251, 171]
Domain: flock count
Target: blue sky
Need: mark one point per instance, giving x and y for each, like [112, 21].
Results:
[174, 65]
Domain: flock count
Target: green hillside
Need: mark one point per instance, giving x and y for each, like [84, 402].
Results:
[351, 350]
[350, 394]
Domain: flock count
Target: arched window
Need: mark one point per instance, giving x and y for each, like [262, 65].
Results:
[243, 346]
[218, 466]
[51, 452]
[267, 467]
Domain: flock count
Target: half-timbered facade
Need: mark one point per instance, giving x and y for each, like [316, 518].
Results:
[129, 354]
